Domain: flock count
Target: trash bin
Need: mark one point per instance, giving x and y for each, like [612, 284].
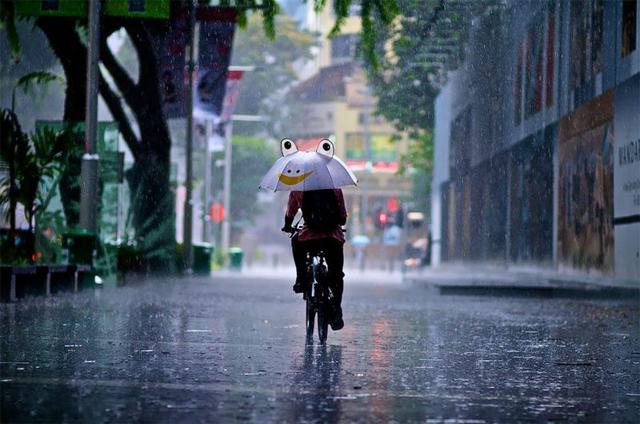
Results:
[235, 258]
[202, 253]
[79, 246]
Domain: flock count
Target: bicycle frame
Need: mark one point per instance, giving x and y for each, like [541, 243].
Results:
[317, 296]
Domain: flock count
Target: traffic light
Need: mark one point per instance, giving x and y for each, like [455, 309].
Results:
[381, 219]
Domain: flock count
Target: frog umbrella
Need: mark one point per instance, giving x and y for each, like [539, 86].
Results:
[305, 171]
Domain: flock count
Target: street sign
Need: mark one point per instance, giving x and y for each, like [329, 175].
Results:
[156, 9]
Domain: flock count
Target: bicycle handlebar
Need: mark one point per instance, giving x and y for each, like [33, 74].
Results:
[297, 228]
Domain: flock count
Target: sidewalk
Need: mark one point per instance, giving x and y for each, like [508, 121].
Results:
[493, 277]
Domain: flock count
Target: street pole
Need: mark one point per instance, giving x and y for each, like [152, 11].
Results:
[226, 195]
[90, 159]
[206, 219]
[188, 202]
[367, 158]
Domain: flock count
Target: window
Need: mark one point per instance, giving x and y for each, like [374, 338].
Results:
[597, 27]
[579, 38]
[343, 46]
[517, 98]
[629, 17]
[533, 71]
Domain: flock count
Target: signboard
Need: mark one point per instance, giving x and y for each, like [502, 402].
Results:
[158, 9]
[214, 56]
[626, 181]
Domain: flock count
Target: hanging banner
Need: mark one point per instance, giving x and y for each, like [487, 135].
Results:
[214, 56]
[170, 51]
[217, 139]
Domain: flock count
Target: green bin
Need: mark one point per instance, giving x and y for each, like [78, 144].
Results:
[235, 258]
[80, 246]
[202, 253]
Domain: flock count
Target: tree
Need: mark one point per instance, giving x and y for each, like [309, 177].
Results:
[253, 157]
[415, 54]
[262, 92]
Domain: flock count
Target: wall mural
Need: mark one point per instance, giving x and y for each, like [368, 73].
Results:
[585, 224]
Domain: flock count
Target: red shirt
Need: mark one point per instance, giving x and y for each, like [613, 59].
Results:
[295, 203]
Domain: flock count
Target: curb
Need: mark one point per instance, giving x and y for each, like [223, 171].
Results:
[474, 280]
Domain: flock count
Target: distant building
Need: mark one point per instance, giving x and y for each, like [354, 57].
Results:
[336, 103]
[537, 140]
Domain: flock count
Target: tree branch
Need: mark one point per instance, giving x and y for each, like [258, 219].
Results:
[143, 43]
[125, 84]
[117, 111]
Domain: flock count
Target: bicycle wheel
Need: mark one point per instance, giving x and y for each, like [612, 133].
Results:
[310, 317]
[323, 323]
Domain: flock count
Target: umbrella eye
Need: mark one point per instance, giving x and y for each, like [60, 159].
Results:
[289, 171]
[288, 147]
[298, 171]
[326, 148]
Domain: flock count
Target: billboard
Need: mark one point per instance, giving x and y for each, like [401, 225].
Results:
[585, 187]
[626, 189]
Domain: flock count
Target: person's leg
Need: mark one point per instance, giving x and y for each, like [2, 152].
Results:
[299, 256]
[335, 262]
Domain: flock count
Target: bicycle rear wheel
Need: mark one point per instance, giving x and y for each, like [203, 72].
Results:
[310, 317]
[323, 324]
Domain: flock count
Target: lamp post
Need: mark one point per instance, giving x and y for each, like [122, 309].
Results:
[89, 167]
[364, 211]
[188, 202]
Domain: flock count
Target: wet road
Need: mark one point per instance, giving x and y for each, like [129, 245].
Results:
[232, 349]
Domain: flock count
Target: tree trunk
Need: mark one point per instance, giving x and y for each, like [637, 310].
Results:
[149, 180]
[152, 200]
[66, 45]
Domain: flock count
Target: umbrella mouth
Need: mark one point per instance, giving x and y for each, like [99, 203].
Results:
[285, 179]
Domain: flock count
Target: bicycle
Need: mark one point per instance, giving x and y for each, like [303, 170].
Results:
[317, 294]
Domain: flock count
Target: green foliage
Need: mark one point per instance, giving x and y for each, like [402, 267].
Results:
[8, 24]
[384, 10]
[262, 92]
[251, 159]
[29, 81]
[36, 162]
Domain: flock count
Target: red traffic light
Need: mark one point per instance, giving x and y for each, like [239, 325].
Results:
[383, 218]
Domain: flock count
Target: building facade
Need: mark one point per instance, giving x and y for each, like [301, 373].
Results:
[537, 151]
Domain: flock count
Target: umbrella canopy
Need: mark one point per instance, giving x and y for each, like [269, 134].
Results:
[306, 171]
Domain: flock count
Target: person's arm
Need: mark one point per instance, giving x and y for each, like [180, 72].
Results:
[292, 208]
[343, 209]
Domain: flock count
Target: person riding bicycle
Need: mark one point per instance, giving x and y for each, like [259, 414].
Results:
[324, 214]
